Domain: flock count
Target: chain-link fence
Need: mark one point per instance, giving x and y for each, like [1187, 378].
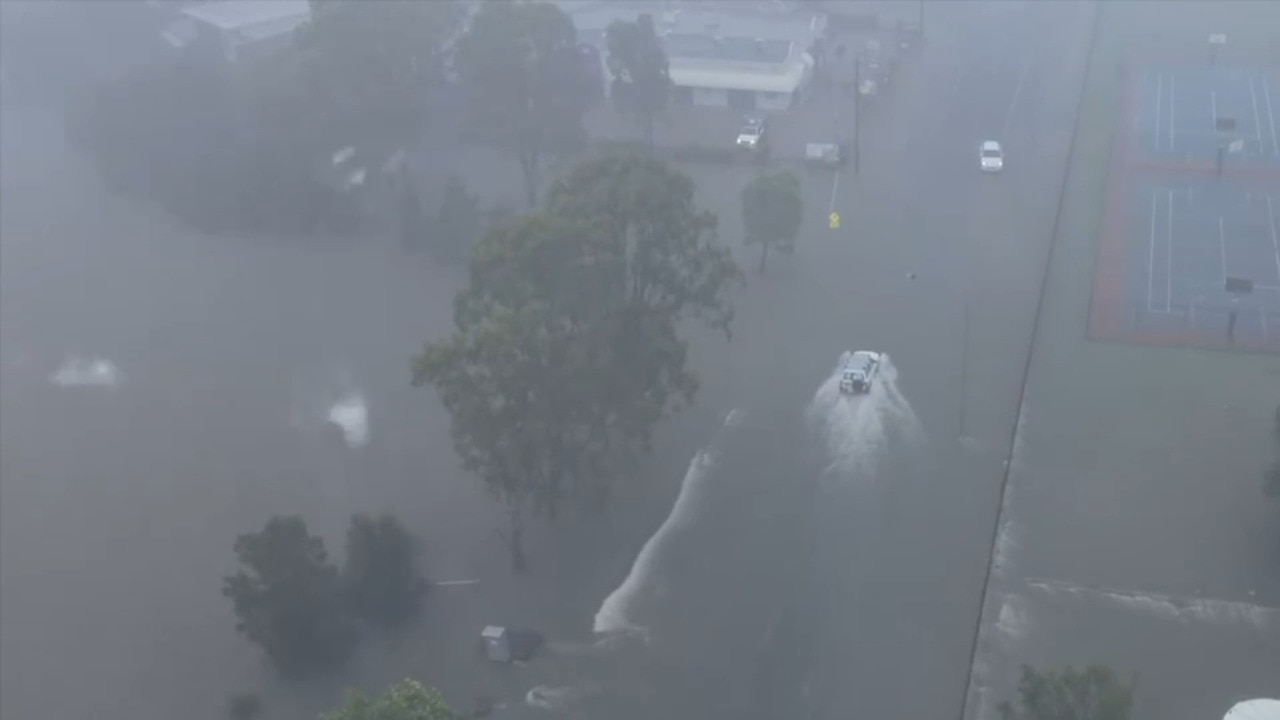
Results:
[1252, 326]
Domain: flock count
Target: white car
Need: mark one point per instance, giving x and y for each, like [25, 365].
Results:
[751, 135]
[991, 156]
[858, 371]
[1260, 709]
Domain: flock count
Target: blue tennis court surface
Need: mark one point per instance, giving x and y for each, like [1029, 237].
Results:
[1186, 239]
[1180, 108]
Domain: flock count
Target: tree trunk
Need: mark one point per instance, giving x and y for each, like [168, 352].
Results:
[764, 255]
[515, 536]
[529, 172]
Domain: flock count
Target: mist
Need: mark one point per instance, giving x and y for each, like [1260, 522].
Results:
[224, 263]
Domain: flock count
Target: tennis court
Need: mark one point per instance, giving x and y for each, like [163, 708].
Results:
[1188, 243]
[1186, 112]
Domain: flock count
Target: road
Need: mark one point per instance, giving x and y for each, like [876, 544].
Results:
[846, 577]
[832, 561]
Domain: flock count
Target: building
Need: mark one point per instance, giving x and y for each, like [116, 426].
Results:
[747, 56]
[229, 30]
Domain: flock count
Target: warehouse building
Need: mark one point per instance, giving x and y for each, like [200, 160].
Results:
[741, 57]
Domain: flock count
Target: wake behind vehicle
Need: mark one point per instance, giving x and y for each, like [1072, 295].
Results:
[858, 372]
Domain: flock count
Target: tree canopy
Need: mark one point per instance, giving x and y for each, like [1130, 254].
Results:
[527, 84]
[364, 68]
[288, 598]
[772, 211]
[381, 577]
[566, 352]
[406, 700]
[1094, 692]
[641, 80]
[359, 74]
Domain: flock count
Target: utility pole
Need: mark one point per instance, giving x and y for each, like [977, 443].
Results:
[857, 108]
[964, 367]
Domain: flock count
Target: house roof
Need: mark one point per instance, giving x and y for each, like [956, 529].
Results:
[751, 77]
[239, 15]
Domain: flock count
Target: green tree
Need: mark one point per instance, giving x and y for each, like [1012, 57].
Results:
[414, 227]
[641, 84]
[566, 352]
[288, 598]
[527, 86]
[406, 700]
[498, 378]
[381, 576]
[1094, 692]
[772, 210]
[364, 68]
[244, 706]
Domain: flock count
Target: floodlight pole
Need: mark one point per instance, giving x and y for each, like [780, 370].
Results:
[857, 110]
[964, 365]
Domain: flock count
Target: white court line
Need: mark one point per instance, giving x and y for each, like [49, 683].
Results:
[1271, 115]
[1172, 109]
[1257, 117]
[1222, 244]
[1275, 242]
[1159, 105]
[1151, 252]
[1168, 258]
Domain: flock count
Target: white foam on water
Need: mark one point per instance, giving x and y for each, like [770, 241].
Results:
[86, 372]
[327, 399]
[1012, 620]
[351, 414]
[548, 697]
[617, 613]
[1179, 608]
[859, 427]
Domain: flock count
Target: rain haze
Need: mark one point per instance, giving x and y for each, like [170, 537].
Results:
[1004, 391]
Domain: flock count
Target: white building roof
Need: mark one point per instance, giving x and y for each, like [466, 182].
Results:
[751, 77]
[239, 15]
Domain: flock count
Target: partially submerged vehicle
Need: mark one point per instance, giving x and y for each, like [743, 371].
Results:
[858, 372]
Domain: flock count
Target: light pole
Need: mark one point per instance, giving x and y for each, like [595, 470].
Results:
[920, 23]
[857, 109]
[964, 367]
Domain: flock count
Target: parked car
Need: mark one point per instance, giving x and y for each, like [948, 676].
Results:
[752, 135]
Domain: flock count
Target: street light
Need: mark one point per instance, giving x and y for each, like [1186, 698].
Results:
[857, 109]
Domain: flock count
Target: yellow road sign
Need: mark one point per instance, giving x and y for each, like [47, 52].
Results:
[834, 220]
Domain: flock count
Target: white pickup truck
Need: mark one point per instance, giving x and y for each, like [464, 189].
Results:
[1258, 709]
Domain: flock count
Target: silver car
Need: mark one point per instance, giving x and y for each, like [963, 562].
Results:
[858, 372]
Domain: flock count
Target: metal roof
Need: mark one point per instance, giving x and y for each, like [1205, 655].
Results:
[751, 77]
[239, 15]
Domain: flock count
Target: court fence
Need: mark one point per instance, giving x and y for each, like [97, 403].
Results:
[1252, 327]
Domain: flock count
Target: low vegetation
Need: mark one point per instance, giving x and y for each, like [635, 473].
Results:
[1094, 692]
[304, 612]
